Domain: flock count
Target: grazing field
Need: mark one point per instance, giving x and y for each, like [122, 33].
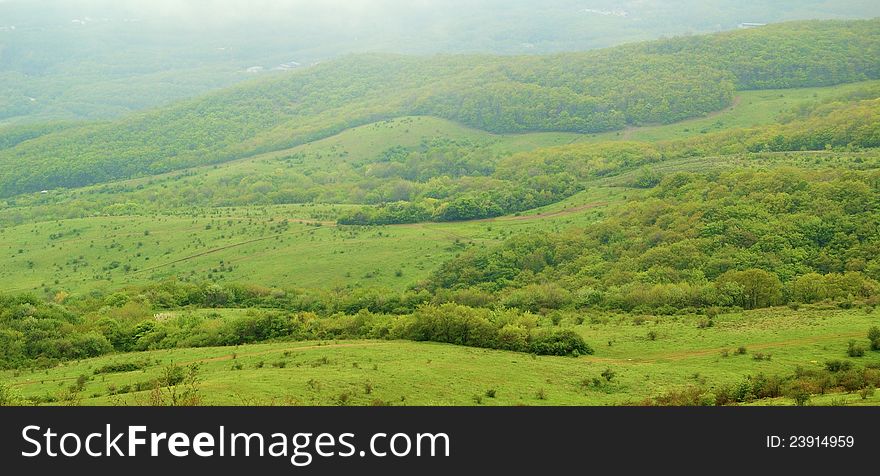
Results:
[647, 357]
[749, 109]
[271, 246]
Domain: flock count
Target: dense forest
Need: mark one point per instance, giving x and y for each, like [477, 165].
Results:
[595, 91]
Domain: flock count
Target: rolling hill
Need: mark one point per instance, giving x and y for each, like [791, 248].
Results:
[690, 221]
[663, 81]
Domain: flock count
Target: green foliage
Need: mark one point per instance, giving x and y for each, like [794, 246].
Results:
[121, 367]
[694, 242]
[9, 397]
[559, 342]
[854, 349]
[874, 337]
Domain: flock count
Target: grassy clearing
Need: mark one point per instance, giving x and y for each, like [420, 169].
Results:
[271, 245]
[750, 109]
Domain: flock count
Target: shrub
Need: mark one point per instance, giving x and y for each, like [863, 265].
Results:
[799, 392]
[851, 380]
[559, 342]
[9, 397]
[855, 350]
[687, 397]
[705, 323]
[837, 365]
[608, 374]
[874, 337]
[724, 395]
[767, 386]
[513, 337]
[121, 367]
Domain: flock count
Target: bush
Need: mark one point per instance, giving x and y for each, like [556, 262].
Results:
[453, 324]
[799, 392]
[874, 337]
[855, 350]
[608, 374]
[121, 367]
[687, 397]
[837, 365]
[513, 337]
[705, 323]
[8, 397]
[724, 395]
[559, 342]
[851, 380]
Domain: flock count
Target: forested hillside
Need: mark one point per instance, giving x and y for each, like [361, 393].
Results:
[750, 239]
[100, 59]
[655, 82]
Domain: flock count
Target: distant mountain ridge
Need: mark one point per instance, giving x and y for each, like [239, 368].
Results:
[652, 82]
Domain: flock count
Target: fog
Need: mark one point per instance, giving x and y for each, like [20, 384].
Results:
[331, 27]
[77, 58]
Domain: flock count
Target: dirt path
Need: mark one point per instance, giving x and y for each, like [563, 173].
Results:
[736, 101]
[207, 252]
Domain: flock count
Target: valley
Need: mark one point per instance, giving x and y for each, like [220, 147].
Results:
[687, 221]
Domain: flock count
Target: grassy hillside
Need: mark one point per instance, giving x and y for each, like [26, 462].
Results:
[662, 82]
[647, 358]
[272, 246]
[221, 223]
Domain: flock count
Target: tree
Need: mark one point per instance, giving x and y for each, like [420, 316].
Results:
[759, 288]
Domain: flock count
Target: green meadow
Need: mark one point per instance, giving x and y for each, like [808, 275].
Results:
[647, 356]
